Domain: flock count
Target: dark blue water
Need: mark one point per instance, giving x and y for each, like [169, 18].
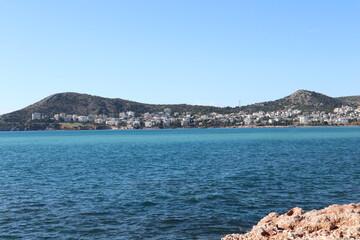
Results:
[169, 184]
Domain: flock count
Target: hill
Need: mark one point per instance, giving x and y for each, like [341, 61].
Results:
[85, 104]
[301, 99]
[350, 100]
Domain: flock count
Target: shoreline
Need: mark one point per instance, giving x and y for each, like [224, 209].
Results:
[332, 223]
[218, 127]
[245, 127]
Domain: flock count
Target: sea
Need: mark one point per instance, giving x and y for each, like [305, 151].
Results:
[169, 184]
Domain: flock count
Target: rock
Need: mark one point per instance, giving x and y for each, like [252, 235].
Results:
[331, 223]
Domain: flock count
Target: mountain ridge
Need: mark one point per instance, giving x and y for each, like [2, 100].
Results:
[85, 104]
[302, 99]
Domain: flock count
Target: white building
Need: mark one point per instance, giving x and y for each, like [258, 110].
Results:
[185, 122]
[99, 121]
[130, 114]
[57, 117]
[62, 116]
[343, 120]
[75, 117]
[304, 120]
[248, 121]
[166, 122]
[112, 121]
[136, 123]
[148, 124]
[167, 111]
[68, 118]
[35, 116]
[147, 115]
[122, 115]
[204, 117]
[82, 118]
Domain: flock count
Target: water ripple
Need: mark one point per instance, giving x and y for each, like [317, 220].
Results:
[176, 184]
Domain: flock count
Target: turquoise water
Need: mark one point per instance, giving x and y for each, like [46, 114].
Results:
[169, 184]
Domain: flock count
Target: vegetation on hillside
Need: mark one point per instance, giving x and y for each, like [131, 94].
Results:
[350, 100]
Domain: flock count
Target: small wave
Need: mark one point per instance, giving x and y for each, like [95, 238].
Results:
[192, 200]
[148, 204]
[94, 213]
[97, 230]
[172, 221]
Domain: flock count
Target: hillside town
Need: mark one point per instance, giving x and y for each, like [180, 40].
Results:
[344, 115]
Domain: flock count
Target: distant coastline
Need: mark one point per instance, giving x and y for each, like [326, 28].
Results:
[84, 128]
[74, 111]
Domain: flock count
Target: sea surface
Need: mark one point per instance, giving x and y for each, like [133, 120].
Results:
[169, 184]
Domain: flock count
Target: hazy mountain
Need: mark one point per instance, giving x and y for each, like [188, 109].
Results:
[84, 104]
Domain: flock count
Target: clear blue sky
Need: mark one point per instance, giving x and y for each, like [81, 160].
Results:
[196, 52]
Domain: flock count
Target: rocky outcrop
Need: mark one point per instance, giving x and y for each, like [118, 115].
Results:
[332, 223]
